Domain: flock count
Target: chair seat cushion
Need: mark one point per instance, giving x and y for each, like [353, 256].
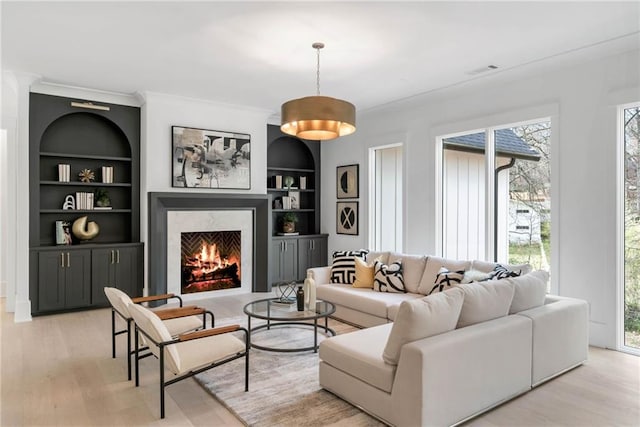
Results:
[181, 325]
[359, 354]
[205, 351]
[362, 299]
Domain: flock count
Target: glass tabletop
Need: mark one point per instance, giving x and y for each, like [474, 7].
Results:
[273, 309]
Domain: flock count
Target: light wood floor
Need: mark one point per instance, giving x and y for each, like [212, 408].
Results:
[58, 370]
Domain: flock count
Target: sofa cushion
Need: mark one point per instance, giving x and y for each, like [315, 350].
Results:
[388, 278]
[343, 269]
[485, 301]
[383, 257]
[434, 264]
[412, 269]
[422, 318]
[488, 266]
[530, 291]
[364, 274]
[362, 299]
[359, 354]
[446, 279]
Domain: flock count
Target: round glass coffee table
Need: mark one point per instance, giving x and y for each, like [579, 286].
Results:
[277, 313]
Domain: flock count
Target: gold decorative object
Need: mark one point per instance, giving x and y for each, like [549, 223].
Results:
[83, 230]
[318, 117]
[86, 175]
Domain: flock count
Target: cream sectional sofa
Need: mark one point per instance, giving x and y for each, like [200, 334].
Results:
[468, 363]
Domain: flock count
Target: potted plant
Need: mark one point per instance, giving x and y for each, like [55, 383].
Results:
[289, 220]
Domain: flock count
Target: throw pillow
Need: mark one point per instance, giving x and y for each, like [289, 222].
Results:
[446, 279]
[388, 278]
[502, 272]
[530, 291]
[364, 273]
[488, 266]
[475, 276]
[422, 318]
[485, 301]
[343, 269]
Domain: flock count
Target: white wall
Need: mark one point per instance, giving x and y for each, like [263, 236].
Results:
[582, 104]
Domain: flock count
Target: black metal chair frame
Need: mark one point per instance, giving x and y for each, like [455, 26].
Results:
[161, 346]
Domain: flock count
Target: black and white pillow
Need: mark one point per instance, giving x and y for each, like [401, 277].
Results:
[501, 272]
[388, 278]
[446, 279]
[343, 269]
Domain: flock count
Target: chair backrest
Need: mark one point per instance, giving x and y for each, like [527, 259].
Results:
[151, 324]
[118, 300]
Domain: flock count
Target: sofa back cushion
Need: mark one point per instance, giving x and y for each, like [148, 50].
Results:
[433, 266]
[382, 256]
[422, 318]
[485, 301]
[412, 269]
[489, 267]
[343, 269]
[530, 291]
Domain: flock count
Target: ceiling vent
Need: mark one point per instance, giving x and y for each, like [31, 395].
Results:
[482, 70]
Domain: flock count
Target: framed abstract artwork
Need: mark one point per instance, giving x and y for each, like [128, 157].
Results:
[347, 218]
[204, 158]
[347, 182]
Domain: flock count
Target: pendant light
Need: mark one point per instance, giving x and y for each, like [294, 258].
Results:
[318, 117]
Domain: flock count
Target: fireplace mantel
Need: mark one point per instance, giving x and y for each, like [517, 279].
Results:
[161, 203]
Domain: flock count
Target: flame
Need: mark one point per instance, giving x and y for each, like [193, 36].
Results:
[209, 258]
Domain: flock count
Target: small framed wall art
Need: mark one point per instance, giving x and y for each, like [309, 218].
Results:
[347, 182]
[347, 218]
[204, 158]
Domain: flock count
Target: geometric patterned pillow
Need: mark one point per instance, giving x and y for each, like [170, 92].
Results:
[501, 272]
[446, 279]
[343, 269]
[388, 278]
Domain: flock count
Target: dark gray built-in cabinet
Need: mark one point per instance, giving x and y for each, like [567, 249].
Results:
[294, 157]
[84, 135]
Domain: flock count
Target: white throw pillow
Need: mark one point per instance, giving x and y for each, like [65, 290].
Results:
[422, 318]
[475, 276]
[530, 291]
[446, 279]
[485, 301]
[488, 266]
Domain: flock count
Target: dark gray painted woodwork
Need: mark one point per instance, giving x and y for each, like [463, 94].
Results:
[312, 252]
[63, 276]
[119, 267]
[284, 258]
[161, 203]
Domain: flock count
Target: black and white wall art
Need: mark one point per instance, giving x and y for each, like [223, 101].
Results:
[347, 218]
[204, 158]
[347, 182]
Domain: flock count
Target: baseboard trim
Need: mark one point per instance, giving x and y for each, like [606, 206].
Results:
[22, 312]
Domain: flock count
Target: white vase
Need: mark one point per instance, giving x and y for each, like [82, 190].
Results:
[309, 292]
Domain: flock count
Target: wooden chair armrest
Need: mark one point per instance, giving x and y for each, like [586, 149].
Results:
[174, 313]
[208, 332]
[138, 300]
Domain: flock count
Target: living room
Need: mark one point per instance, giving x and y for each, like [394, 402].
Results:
[577, 75]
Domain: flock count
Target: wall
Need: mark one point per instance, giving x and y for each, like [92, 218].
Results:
[581, 102]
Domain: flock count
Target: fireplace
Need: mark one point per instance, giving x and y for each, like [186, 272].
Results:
[210, 261]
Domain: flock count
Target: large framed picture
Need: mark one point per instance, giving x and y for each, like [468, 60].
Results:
[347, 218]
[347, 182]
[204, 158]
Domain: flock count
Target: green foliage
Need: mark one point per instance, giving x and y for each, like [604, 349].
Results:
[289, 217]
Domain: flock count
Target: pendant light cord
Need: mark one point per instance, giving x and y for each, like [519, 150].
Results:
[318, 71]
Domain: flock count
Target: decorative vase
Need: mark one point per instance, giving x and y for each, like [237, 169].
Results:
[300, 298]
[309, 292]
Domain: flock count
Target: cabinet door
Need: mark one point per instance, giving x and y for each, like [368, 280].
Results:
[102, 261]
[284, 260]
[77, 289]
[128, 270]
[51, 276]
[312, 252]
[277, 273]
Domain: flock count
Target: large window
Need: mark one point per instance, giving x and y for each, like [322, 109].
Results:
[386, 198]
[630, 131]
[503, 216]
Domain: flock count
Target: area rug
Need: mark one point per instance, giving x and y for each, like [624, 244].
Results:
[283, 387]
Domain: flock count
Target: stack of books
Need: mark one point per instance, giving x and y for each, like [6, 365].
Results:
[107, 174]
[64, 173]
[84, 201]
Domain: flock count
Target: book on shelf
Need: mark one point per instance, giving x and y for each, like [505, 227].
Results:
[295, 233]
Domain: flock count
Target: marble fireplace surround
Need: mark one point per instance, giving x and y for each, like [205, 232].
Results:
[161, 203]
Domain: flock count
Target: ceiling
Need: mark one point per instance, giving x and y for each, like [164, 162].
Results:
[259, 54]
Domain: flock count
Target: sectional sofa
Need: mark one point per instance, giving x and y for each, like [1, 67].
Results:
[442, 359]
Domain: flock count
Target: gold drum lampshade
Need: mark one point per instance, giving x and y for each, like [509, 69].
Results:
[318, 117]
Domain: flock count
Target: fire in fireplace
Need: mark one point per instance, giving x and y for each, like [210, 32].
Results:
[210, 261]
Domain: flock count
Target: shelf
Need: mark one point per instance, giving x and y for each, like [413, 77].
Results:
[271, 168]
[292, 210]
[87, 184]
[79, 211]
[85, 156]
[282, 190]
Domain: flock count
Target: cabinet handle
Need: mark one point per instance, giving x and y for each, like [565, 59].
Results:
[68, 262]
[62, 259]
[111, 256]
[118, 256]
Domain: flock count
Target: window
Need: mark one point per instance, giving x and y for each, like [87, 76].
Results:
[385, 217]
[511, 221]
[630, 132]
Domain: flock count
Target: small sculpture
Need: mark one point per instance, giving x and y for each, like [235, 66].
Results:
[84, 231]
[69, 203]
[86, 175]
